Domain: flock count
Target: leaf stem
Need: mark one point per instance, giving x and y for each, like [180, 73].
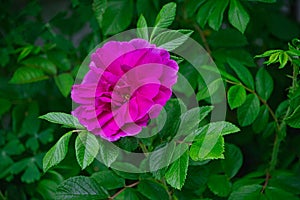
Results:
[120, 191]
[260, 99]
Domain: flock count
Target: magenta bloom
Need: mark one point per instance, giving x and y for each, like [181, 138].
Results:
[128, 84]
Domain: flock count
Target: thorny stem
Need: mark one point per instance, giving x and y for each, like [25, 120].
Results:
[120, 191]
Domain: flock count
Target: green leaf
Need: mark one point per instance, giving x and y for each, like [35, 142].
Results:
[164, 18]
[249, 111]
[108, 180]
[60, 59]
[171, 39]
[262, 120]
[161, 157]
[293, 120]
[238, 16]
[31, 174]
[142, 28]
[264, 83]
[190, 120]
[204, 12]
[149, 8]
[64, 83]
[283, 59]
[128, 193]
[177, 172]
[80, 188]
[236, 96]
[268, 53]
[27, 75]
[41, 63]
[153, 190]
[219, 185]
[108, 152]
[62, 118]
[277, 193]
[242, 72]
[223, 73]
[57, 153]
[247, 192]
[210, 89]
[14, 147]
[99, 7]
[233, 160]
[117, 16]
[87, 147]
[216, 16]
[5, 106]
[210, 146]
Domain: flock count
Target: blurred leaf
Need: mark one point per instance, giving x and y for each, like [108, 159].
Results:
[262, 120]
[264, 83]
[108, 180]
[293, 120]
[57, 153]
[164, 18]
[87, 147]
[216, 16]
[31, 174]
[142, 28]
[233, 160]
[32, 143]
[14, 147]
[278, 193]
[152, 190]
[171, 39]
[64, 83]
[99, 7]
[242, 72]
[80, 188]
[5, 106]
[227, 38]
[219, 185]
[41, 63]
[249, 111]
[62, 118]
[60, 59]
[27, 75]
[246, 192]
[238, 16]
[117, 16]
[177, 172]
[149, 9]
[4, 57]
[236, 96]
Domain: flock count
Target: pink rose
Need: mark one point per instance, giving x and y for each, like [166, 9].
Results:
[127, 85]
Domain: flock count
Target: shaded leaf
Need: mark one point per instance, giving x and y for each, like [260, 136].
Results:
[27, 75]
[264, 83]
[64, 83]
[248, 112]
[219, 185]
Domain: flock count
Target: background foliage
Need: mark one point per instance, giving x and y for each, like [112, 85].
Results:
[42, 49]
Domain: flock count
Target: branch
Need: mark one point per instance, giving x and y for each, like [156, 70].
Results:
[120, 191]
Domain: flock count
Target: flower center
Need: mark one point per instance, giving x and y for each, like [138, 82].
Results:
[126, 97]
